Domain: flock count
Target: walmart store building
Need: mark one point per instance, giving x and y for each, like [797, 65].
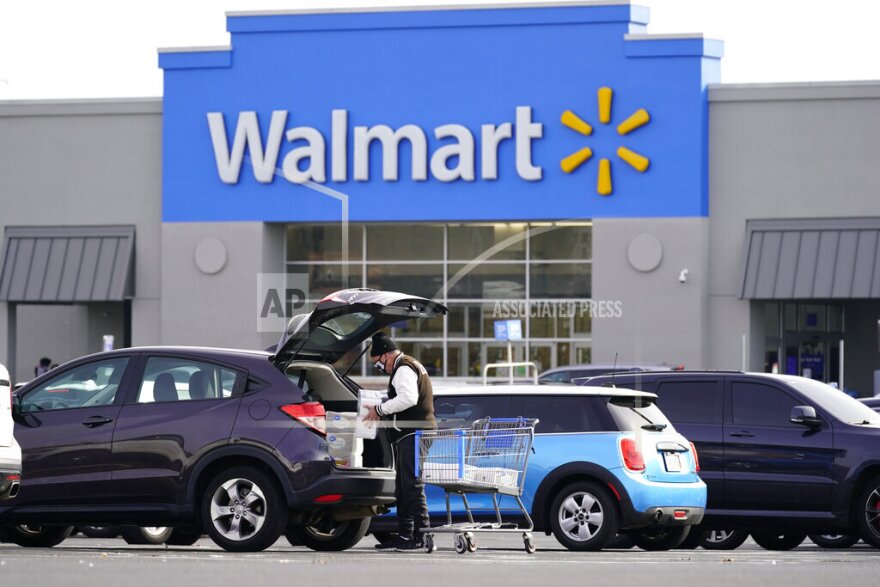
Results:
[508, 161]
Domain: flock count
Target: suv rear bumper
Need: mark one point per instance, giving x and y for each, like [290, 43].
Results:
[342, 488]
[10, 480]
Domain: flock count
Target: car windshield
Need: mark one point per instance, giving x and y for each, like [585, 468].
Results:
[637, 413]
[841, 406]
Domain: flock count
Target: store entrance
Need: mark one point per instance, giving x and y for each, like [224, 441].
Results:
[804, 339]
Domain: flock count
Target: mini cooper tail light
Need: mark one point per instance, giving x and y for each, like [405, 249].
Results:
[311, 414]
[696, 458]
[632, 456]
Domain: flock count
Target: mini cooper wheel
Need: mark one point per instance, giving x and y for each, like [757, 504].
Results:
[867, 512]
[242, 510]
[583, 517]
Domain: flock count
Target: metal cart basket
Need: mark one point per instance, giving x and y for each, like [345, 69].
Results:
[489, 457]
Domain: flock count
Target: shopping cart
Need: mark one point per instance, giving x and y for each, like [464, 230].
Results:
[489, 457]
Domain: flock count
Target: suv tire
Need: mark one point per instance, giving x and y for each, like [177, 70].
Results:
[664, 538]
[328, 535]
[834, 540]
[184, 536]
[583, 516]
[242, 510]
[36, 536]
[867, 512]
[722, 539]
[778, 539]
[145, 534]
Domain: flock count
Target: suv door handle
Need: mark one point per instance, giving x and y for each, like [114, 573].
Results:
[96, 421]
[743, 434]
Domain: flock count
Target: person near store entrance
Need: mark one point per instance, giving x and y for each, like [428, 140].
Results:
[410, 407]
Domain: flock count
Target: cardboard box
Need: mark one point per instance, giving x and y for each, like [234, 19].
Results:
[367, 398]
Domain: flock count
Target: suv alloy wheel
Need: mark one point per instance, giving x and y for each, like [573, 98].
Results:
[146, 534]
[834, 540]
[867, 512]
[242, 510]
[583, 517]
[722, 539]
[327, 534]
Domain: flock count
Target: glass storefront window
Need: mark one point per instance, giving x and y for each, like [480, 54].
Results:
[812, 318]
[560, 280]
[429, 354]
[404, 242]
[419, 280]
[326, 279]
[561, 241]
[537, 270]
[488, 282]
[323, 242]
[468, 241]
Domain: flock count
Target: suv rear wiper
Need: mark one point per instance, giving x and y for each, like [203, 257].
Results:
[654, 426]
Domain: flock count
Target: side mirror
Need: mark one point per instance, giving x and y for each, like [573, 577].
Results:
[805, 416]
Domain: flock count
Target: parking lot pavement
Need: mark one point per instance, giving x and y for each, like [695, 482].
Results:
[500, 560]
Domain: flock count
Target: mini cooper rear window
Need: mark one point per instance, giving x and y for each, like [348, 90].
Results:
[637, 413]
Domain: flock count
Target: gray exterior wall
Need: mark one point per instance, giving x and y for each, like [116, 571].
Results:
[663, 320]
[219, 309]
[783, 151]
[83, 162]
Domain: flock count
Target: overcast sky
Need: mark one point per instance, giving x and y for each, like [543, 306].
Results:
[101, 48]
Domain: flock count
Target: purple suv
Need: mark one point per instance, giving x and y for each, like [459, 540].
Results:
[229, 442]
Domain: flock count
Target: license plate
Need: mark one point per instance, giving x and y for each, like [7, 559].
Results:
[672, 460]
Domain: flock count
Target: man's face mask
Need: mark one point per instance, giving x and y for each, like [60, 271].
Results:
[379, 365]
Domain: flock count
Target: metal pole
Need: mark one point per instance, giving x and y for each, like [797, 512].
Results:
[744, 353]
[840, 375]
[510, 361]
[11, 336]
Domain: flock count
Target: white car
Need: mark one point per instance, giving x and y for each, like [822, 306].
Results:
[10, 452]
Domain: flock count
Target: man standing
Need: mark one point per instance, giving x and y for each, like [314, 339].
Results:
[410, 407]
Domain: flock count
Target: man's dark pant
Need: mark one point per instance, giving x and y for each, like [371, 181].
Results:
[412, 508]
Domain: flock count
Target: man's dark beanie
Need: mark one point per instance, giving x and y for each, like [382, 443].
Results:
[382, 344]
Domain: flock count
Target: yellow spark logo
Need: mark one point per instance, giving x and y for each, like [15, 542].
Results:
[637, 119]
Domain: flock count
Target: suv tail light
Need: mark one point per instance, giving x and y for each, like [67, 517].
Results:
[632, 456]
[696, 458]
[311, 414]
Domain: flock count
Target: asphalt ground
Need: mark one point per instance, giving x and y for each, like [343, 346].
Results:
[500, 560]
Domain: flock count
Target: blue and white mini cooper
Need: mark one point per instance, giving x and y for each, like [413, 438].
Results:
[606, 461]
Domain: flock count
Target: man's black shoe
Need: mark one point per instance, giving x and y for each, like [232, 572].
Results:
[414, 545]
[390, 544]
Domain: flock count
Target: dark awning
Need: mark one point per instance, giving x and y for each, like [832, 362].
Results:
[834, 258]
[65, 264]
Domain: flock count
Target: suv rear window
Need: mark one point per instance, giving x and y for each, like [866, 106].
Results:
[691, 402]
[633, 412]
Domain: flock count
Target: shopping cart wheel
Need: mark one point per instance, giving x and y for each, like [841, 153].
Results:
[460, 544]
[529, 542]
[471, 541]
[429, 543]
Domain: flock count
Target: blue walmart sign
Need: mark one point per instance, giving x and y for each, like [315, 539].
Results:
[466, 114]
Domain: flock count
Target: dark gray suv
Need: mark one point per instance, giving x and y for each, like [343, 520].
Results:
[232, 443]
[781, 455]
